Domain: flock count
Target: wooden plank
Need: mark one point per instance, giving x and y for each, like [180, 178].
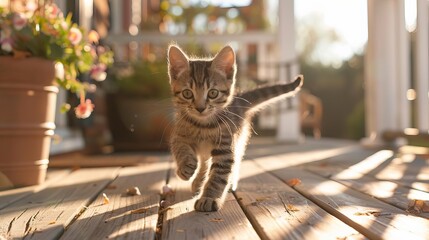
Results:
[125, 216]
[182, 222]
[45, 214]
[404, 169]
[371, 217]
[278, 212]
[107, 160]
[260, 146]
[288, 159]
[387, 191]
[8, 197]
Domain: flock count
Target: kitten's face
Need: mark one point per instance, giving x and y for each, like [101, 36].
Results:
[201, 88]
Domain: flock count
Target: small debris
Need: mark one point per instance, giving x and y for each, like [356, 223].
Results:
[323, 164]
[261, 199]
[164, 203]
[374, 213]
[291, 208]
[52, 223]
[139, 210]
[133, 191]
[111, 187]
[106, 200]
[216, 220]
[167, 190]
[180, 230]
[418, 206]
[293, 182]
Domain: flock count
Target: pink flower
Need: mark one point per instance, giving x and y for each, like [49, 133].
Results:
[84, 109]
[75, 35]
[93, 36]
[98, 72]
[31, 6]
[19, 21]
[54, 11]
[64, 25]
[6, 44]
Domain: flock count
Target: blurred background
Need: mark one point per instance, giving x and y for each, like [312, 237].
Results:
[326, 41]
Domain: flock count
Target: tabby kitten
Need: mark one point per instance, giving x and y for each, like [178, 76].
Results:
[212, 123]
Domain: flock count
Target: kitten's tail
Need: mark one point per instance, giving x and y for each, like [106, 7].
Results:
[263, 95]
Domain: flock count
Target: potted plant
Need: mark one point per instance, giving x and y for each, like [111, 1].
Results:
[40, 50]
[140, 110]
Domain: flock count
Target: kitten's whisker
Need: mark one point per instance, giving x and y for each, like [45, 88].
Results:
[243, 99]
[236, 128]
[227, 125]
[219, 128]
[254, 131]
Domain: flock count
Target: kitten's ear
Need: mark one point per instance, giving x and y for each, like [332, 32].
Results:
[225, 61]
[177, 61]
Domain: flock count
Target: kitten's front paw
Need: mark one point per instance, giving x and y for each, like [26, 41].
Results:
[187, 169]
[205, 204]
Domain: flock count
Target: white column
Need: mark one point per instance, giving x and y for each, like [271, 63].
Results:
[386, 69]
[422, 65]
[85, 14]
[404, 69]
[288, 128]
[116, 9]
[267, 118]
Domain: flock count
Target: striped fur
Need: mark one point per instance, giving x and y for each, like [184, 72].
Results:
[212, 124]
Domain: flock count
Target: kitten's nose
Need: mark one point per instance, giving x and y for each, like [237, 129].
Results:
[200, 109]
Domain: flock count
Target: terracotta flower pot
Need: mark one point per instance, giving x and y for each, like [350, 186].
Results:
[27, 112]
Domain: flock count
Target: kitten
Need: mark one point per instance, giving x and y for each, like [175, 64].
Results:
[212, 123]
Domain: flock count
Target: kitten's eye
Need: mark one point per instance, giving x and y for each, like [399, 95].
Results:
[187, 94]
[213, 93]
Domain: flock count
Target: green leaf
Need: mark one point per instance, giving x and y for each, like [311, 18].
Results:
[56, 51]
[65, 108]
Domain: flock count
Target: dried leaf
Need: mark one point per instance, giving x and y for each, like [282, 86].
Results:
[293, 182]
[106, 200]
[291, 208]
[133, 191]
[261, 199]
[216, 220]
[139, 210]
[374, 213]
[418, 206]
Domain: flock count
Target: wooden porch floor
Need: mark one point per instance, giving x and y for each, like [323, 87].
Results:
[325, 189]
